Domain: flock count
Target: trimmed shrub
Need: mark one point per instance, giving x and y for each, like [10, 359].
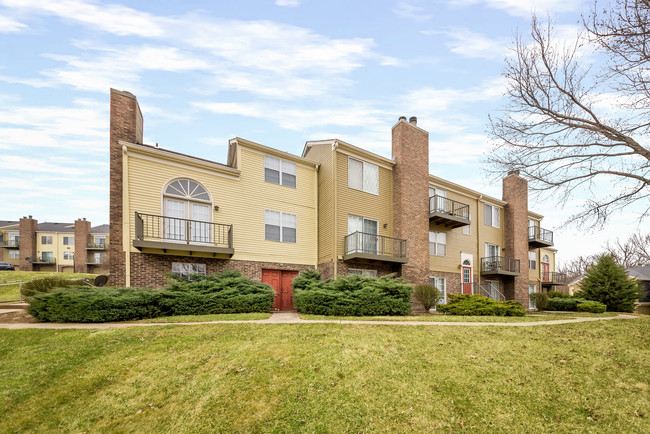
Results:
[564, 304]
[428, 295]
[228, 292]
[540, 300]
[467, 304]
[591, 306]
[557, 294]
[306, 278]
[352, 295]
[48, 284]
[608, 283]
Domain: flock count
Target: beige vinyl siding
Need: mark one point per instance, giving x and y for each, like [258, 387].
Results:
[536, 273]
[241, 203]
[359, 203]
[457, 243]
[324, 155]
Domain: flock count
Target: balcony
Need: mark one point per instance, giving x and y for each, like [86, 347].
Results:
[96, 246]
[552, 278]
[10, 244]
[538, 237]
[372, 247]
[500, 266]
[170, 233]
[44, 260]
[447, 212]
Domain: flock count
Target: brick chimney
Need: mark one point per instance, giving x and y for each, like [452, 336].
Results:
[81, 240]
[125, 125]
[515, 192]
[411, 197]
[27, 240]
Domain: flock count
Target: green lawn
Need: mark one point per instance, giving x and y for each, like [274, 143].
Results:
[588, 377]
[204, 318]
[537, 316]
[12, 292]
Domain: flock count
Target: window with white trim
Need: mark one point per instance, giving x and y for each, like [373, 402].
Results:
[46, 239]
[68, 256]
[531, 290]
[100, 240]
[280, 226]
[441, 284]
[68, 241]
[278, 171]
[532, 260]
[492, 216]
[466, 229]
[437, 243]
[14, 254]
[364, 273]
[363, 176]
[184, 269]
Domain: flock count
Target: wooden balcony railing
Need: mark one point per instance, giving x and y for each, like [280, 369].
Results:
[363, 245]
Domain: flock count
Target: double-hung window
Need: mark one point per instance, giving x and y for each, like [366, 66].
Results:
[467, 228]
[279, 226]
[532, 260]
[441, 284]
[363, 272]
[68, 256]
[46, 239]
[492, 216]
[277, 171]
[14, 254]
[437, 243]
[363, 176]
[68, 241]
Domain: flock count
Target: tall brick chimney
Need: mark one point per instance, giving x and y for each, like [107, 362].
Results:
[81, 239]
[411, 197]
[515, 192]
[27, 239]
[125, 125]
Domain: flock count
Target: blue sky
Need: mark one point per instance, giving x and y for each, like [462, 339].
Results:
[276, 72]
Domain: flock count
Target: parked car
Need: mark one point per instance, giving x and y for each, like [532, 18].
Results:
[6, 266]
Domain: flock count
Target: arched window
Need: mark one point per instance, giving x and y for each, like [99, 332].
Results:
[466, 262]
[545, 259]
[183, 200]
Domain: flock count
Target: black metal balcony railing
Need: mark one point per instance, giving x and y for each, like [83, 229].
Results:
[150, 227]
[96, 246]
[94, 261]
[443, 205]
[554, 277]
[44, 260]
[537, 233]
[10, 243]
[373, 244]
[500, 263]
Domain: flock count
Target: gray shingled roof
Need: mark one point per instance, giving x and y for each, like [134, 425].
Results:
[641, 273]
[4, 223]
[101, 229]
[55, 227]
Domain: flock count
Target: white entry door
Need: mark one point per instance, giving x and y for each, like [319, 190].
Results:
[174, 219]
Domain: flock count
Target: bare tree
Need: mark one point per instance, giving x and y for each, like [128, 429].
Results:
[573, 128]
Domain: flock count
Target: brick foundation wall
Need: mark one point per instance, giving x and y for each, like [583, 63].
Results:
[515, 192]
[27, 240]
[382, 269]
[326, 269]
[81, 239]
[410, 146]
[126, 125]
[150, 269]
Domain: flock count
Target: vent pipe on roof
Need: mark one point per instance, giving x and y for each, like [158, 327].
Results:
[402, 118]
[413, 121]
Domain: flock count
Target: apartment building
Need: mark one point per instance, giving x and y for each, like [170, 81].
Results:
[338, 208]
[55, 247]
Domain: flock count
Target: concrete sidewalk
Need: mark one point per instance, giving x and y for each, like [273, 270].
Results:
[292, 318]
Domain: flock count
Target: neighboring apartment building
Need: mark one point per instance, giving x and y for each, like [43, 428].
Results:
[339, 208]
[56, 247]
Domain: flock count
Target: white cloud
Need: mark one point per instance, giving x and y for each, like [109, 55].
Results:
[410, 11]
[9, 25]
[524, 8]
[467, 43]
[288, 3]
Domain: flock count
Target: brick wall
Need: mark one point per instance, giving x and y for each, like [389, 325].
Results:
[150, 269]
[410, 146]
[27, 239]
[81, 239]
[326, 269]
[383, 269]
[515, 192]
[126, 125]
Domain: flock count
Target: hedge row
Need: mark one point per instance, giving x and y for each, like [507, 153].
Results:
[575, 304]
[227, 292]
[466, 304]
[351, 295]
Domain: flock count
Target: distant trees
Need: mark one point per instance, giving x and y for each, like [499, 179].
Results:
[608, 283]
[572, 126]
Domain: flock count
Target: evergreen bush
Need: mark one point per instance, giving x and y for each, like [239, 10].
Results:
[557, 294]
[467, 304]
[591, 306]
[564, 304]
[609, 284]
[48, 284]
[540, 300]
[428, 295]
[351, 295]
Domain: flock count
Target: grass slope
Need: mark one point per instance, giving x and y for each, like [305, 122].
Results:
[589, 377]
[12, 292]
[537, 316]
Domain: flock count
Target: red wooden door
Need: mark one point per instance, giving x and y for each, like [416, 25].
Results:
[546, 275]
[467, 280]
[281, 283]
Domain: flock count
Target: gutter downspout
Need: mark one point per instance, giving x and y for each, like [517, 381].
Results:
[335, 210]
[126, 218]
[478, 235]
